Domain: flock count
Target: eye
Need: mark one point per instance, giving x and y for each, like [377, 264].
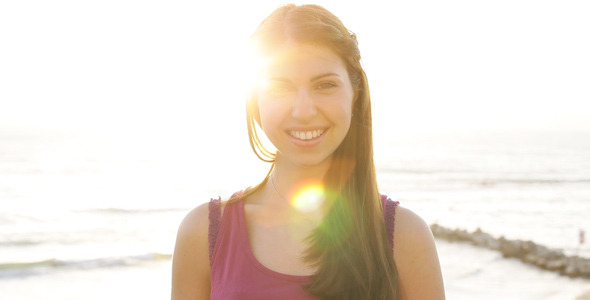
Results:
[278, 88]
[326, 85]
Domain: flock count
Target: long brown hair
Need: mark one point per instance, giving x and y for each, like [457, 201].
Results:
[350, 247]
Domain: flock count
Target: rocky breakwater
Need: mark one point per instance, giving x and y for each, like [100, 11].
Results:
[526, 251]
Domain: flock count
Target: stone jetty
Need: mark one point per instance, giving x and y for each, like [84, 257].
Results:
[526, 251]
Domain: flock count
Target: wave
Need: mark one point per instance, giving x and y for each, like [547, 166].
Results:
[420, 171]
[19, 243]
[114, 210]
[22, 269]
[529, 181]
[480, 178]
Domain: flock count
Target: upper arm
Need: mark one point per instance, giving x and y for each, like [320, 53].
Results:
[190, 265]
[416, 258]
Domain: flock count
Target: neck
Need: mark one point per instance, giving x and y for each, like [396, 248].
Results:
[287, 179]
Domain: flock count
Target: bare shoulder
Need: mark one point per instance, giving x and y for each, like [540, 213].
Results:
[409, 225]
[196, 222]
[190, 264]
[195, 225]
[416, 257]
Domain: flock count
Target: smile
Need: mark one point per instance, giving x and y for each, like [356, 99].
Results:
[306, 135]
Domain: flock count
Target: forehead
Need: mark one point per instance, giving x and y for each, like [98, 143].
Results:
[293, 59]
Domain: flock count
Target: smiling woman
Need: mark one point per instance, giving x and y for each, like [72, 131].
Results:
[305, 103]
[316, 227]
[152, 92]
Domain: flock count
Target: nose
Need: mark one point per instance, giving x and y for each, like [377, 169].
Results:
[304, 107]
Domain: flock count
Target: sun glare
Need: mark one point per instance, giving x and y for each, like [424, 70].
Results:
[250, 64]
[309, 197]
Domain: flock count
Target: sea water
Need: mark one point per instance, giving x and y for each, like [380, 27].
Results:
[95, 218]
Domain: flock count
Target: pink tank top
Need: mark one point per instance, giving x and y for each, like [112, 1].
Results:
[235, 271]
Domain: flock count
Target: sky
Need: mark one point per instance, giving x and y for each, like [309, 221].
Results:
[176, 68]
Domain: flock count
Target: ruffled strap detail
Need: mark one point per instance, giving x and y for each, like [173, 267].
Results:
[389, 214]
[214, 223]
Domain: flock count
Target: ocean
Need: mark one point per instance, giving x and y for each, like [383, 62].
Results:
[95, 217]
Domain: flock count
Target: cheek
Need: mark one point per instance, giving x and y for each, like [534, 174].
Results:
[342, 113]
[347, 107]
[347, 117]
[346, 113]
[270, 113]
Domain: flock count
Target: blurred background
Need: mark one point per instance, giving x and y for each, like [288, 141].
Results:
[118, 117]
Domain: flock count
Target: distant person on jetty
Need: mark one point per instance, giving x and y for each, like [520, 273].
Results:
[316, 227]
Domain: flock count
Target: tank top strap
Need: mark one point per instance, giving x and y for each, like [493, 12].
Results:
[214, 223]
[215, 217]
[389, 215]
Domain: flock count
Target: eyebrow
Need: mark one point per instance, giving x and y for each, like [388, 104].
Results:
[315, 78]
[322, 76]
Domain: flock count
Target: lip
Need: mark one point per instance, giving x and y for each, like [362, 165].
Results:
[307, 143]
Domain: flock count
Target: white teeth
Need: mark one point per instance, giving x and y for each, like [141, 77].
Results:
[306, 135]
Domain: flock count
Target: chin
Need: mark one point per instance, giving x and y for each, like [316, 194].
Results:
[310, 162]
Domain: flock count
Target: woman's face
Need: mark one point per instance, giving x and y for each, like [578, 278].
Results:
[305, 101]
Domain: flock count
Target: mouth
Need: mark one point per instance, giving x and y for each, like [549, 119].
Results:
[307, 135]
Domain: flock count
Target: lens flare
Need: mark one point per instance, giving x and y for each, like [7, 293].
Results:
[309, 197]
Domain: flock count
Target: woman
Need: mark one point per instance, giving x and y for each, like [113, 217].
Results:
[316, 227]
